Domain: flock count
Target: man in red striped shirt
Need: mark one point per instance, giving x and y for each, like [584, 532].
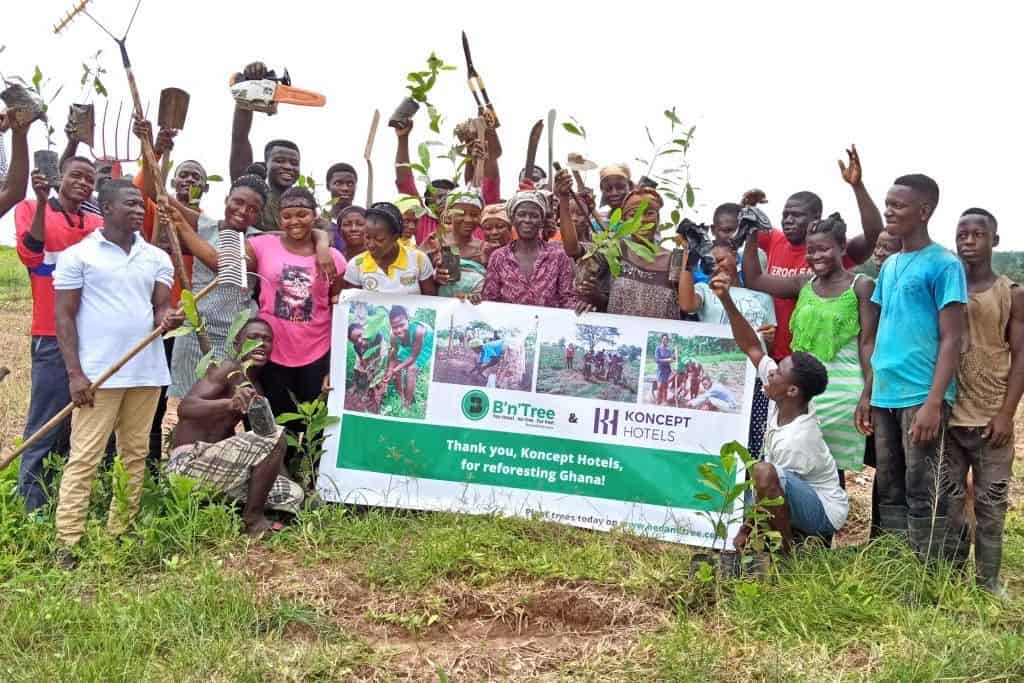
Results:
[45, 227]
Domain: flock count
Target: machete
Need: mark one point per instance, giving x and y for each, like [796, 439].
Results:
[531, 148]
[367, 155]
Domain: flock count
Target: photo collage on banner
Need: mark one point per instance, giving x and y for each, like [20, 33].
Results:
[599, 421]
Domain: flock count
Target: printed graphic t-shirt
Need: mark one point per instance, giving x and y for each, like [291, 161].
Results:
[294, 301]
[786, 260]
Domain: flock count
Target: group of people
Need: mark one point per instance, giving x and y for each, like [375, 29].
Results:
[917, 373]
[598, 365]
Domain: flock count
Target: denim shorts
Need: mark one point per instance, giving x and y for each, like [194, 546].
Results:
[806, 511]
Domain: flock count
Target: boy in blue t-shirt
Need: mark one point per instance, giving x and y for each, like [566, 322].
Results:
[921, 291]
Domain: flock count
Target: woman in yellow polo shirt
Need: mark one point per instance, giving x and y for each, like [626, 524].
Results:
[388, 266]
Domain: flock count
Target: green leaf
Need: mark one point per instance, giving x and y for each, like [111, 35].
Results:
[236, 326]
[572, 129]
[424, 153]
[690, 198]
[676, 217]
[98, 86]
[214, 178]
[248, 347]
[670, 114]
[649, 137]
[435, 118]
[188, 306]
[284, 418]
[204, 364]
[703, 496]
[179, 332]
[37, 78]
[640, 250]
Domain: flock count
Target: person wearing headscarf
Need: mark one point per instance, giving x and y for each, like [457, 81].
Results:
[411, 210]
[497, 228]
[528, 270]
[438, 189]
[642, 288]
[616, 183]
[463, 212]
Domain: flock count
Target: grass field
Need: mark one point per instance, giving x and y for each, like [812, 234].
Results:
[376, 595]
[13, 277]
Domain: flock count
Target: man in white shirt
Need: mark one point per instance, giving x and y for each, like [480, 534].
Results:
[112, 289]
[797, 465]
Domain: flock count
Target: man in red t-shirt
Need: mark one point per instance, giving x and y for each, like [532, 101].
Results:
[786, 249]
[45, 227]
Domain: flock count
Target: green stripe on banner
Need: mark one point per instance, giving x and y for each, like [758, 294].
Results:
[524, 461]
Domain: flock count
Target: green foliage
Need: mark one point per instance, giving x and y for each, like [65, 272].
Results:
[575, 127]
[423, 82]
[91, 72]
[308, 441]
[607, 244]
[666, 164]
[40, 85]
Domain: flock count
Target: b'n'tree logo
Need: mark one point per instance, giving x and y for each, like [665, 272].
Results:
[475, 405]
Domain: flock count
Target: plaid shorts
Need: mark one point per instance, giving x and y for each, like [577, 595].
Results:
[227, 465]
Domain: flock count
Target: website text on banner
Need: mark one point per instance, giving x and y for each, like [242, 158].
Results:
[599, 421]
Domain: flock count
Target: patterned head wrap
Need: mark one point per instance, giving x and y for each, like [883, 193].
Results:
[527, 197]
[407, 202]
[640, 193]
[465, 195]
[495, 212]
[615, 170]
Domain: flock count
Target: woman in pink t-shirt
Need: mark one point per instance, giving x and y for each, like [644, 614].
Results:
[295, 301]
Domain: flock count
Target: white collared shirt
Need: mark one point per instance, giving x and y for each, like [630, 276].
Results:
[116, 310]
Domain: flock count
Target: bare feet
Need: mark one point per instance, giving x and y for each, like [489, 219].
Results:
[261, 526]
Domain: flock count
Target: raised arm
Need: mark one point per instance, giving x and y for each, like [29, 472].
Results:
[868, 313]
[689, 299]
[16, 186]
[570, 240]
[404, 180]
[999, 430]
[860, 247]
[241, 126]
[755, 278]
[742, 332]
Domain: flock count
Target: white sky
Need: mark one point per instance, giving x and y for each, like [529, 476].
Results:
[776, 90]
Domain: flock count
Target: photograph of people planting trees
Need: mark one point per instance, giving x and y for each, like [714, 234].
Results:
[588, 361]
[478, 354]
[388, 361]
[702, 373]
[443, 342]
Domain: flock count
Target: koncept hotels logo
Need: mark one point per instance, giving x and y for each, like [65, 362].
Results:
[606, 421]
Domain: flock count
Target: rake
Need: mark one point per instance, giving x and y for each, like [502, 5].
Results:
[149, 159]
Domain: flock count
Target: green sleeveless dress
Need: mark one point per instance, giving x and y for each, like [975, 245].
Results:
[829, 329]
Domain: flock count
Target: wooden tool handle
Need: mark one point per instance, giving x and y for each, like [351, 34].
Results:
[96, 384]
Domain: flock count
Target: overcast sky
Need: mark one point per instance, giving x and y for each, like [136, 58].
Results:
[776, 90]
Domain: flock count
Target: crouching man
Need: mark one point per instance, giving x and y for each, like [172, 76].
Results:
[245, 466]
[797, 466]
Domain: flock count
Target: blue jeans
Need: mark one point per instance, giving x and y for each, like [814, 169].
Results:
[49, 395]
[806, 511]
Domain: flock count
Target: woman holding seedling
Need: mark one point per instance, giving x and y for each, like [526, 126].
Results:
[464, 211]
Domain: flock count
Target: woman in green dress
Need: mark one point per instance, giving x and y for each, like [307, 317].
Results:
[835, 321]
[412, 343]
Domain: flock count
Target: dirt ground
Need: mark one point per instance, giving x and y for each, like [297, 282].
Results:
[455, 367]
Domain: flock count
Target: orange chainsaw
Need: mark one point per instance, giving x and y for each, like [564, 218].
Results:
[265, 94]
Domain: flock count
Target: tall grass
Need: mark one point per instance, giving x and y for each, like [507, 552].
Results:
[14, 285]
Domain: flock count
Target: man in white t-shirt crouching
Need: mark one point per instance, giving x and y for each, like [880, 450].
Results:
[797, 465]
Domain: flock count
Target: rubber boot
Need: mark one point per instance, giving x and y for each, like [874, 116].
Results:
[988, 557]
[892, 519]
[958, 548]
[928, 538]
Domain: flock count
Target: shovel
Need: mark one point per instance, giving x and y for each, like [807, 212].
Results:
[173, 108]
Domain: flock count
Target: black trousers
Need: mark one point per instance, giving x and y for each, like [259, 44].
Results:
[304, 382]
